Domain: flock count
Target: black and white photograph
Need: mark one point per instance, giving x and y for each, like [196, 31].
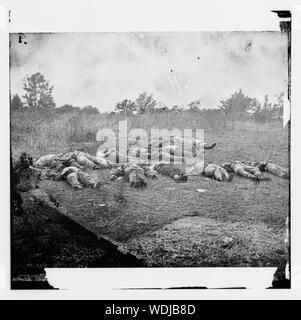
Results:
[150, 150]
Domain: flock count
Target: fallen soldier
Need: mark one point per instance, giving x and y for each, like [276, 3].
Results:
[170, 170]
[49, 160]
[244, 170]
[176, 143]
[272, 168]
[77, 178]
[133, 173]
[216, 172]
[72, 159]
[85, 160]
[168, 150]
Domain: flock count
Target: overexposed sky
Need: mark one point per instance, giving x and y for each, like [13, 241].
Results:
[100, 69]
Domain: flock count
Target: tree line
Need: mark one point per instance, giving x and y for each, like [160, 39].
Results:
[38, 97]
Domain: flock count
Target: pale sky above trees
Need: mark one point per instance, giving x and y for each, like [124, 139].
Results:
[101, 69]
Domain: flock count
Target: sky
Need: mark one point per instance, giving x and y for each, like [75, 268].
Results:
[101, 69]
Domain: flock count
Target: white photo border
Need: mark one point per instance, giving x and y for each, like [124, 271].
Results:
[142, 15]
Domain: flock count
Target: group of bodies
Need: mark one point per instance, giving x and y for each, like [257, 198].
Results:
[71, 166]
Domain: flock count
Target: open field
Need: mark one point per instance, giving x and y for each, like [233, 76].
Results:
[239, 223]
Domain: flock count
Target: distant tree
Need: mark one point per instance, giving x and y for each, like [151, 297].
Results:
[67, 108]
[278, 107]
[267, 105]
[176, 108]
[38, 93]
[16, 103]
[90, 110]
[126, 106]
[111, 114]
[268, 111]
[254, 106]
[161, 107]
[195, 105]
[145, 103]
[237, 106]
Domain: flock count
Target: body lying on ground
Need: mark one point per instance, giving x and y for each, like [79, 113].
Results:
[155, 151]
[165, 149]
[212, 170]
[75, 159]
[170, 170]
[48, 160]
[133, 173]
[178, 147]
[69, 167]
[244, 170]
[272, 168]
[77, 178]
[136, 173]
[85, 159]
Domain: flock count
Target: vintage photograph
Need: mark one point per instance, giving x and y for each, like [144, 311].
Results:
[149, 149]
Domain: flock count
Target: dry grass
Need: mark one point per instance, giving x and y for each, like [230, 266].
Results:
[37, 134]
[204, 242]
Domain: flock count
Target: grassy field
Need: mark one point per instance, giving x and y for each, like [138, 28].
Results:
[39, 135]
[171, 224]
